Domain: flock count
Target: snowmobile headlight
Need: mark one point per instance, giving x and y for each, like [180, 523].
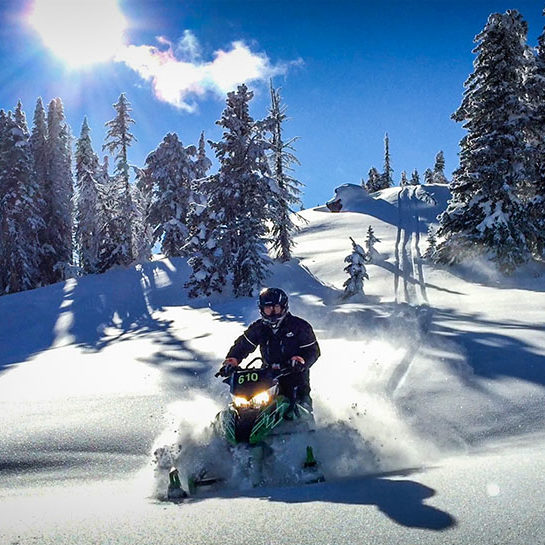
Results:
[240, 401]
[262, 398]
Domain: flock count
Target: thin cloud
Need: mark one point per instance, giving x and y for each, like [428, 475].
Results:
[180, 76]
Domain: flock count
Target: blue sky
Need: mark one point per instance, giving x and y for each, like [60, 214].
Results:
[349, 72]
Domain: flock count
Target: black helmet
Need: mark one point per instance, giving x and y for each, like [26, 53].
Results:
[271, 297]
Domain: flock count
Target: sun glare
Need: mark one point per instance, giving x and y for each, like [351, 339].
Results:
[80, 32]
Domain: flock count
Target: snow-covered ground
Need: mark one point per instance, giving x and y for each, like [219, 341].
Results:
[432, 380]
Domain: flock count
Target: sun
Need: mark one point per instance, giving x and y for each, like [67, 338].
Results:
[80, 32]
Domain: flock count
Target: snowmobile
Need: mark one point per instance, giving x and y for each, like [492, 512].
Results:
[257, 419]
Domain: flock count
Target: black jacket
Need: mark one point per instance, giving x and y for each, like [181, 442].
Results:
[294, 337]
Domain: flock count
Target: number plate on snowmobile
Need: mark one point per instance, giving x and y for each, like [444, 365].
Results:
[249, 382]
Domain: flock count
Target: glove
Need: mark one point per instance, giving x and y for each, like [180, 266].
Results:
[227, 367]
[233, 362]
[297, 363]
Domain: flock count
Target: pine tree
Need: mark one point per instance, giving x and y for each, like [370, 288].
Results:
[58, 196]
[373, 180]
[432, 244]
[428, 176]
[371, 254]
[287, 194]
[172, 171]
[485, 214]
[404, 181]
[202, 164]
[415, 178]
[356, 271]
[109, 217]
[143, 201]
[535, 91]
[88, 224]
[39, 157]
[234, 228]
[20, 219]
[118, 140]
[439, 169]
[386, 180]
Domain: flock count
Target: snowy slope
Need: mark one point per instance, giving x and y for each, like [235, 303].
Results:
[96, 373]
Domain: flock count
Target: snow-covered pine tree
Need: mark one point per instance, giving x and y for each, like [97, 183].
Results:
[404, 181]
[386, 178]
[118, 140]
[38, 151]
[485, 214]
[373, 180]
[171, 168]
[439, 169]
[432, 244]
[356, 270]
[202, 163]
[197, 200]
[88, 221]
[535, 91]
[371, 253]
[20, 218]
[415, 178]
[58, 196]
[108, 218]
[143, 200]
[234, 228]
[287, 192]
[428, 176]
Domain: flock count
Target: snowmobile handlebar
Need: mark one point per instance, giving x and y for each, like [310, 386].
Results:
[227, 370]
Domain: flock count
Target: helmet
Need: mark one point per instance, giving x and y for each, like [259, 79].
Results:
[272, 297]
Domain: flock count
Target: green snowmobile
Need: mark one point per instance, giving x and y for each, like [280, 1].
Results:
[257, 417]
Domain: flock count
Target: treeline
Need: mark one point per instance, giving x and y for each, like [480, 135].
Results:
[498, 192]
[383, 180]
[64, 214]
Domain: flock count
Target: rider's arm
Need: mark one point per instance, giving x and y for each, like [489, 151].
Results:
[246, 343]
[309, 349]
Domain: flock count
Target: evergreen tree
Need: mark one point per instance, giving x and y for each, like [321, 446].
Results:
[109, 218]
[439, 169]
[371, 254]
[58, 196]
[20, 220]
[387, 176]
[374, 180]
[432, 244]
[203, 163]
[428, 176]
[143, 200]
[485, 213]
[234, 229]
[415, 178]
[287, 194]
[172, 171]
[118, 140]
[38, 151]
[404, 182]
[88, 223]
[356, 271]
[535, 91]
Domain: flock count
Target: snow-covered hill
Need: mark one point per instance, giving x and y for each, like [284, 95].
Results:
[435, 362]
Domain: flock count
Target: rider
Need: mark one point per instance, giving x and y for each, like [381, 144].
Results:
[286, 342]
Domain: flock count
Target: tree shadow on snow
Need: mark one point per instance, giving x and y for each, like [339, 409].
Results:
[491, 351]
[28, 323]
[401, 500]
